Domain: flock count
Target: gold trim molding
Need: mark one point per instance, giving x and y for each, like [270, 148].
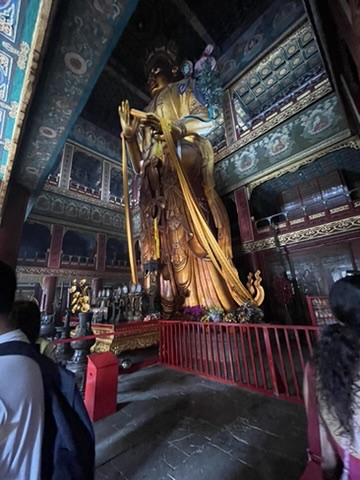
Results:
[336, 227]
[69, 273]
[352, 142]
[130, 339]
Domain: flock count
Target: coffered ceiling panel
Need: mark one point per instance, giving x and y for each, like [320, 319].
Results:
[290, 69]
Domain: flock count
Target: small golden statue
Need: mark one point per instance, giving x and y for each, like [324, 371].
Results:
[80, 296]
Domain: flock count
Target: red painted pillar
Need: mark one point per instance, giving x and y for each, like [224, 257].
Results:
[101, 252]
[54, 260]
[96, 286]
[48, 298]
[12, 223]
[244, 218]
[252, 261]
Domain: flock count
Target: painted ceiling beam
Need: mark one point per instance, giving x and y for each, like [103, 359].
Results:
[81, 43]
[23, 35]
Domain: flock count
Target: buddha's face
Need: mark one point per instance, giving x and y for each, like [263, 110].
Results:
[158, 78]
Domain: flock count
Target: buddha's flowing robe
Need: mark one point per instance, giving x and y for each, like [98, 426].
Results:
[187, 276]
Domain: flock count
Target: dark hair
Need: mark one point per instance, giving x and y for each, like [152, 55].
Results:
[26, 316]
[7, 288]
[337, 354]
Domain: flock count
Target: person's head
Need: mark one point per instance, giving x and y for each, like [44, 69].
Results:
[26, 316]
[7, 291]
[162, 67]
[344, 298]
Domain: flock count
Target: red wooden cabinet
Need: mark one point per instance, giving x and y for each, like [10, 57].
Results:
[101, 385]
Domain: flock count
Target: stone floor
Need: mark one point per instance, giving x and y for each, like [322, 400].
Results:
[175, 426]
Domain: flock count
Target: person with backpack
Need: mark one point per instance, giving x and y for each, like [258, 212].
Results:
[26, 315]
[21, 396]
[67, 442]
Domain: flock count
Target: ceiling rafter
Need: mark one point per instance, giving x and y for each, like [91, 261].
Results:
[194, 22]
[111, 70]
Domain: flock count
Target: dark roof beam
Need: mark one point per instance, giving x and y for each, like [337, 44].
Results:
[194, 22]
[119, 77]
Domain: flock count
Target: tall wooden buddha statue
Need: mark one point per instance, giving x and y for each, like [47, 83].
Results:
[183, 221]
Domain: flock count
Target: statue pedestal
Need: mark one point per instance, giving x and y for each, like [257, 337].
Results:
[131, 336]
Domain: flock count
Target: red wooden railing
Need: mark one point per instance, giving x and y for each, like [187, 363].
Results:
[269, 359]
[266, 358]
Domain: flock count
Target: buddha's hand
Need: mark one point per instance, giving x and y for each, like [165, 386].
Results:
[152, 121]
[129, 124]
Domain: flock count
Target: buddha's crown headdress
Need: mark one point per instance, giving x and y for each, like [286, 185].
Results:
[163, 50]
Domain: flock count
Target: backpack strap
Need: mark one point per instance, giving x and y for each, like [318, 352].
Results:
[17, 347]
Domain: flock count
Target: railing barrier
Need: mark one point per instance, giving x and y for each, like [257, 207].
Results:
[266, 358]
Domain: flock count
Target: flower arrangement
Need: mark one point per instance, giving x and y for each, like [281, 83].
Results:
[79, 296]
[194, 313]
[213, 314]
[246, 313]
[249, 313]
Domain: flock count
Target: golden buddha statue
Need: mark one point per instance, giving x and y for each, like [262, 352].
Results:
[175, 174]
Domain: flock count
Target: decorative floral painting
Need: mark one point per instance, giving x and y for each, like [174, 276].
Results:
[321, 121]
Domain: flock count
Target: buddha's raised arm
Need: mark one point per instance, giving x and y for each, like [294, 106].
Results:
[129, 125]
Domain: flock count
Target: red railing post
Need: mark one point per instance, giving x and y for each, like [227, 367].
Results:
[271, 363]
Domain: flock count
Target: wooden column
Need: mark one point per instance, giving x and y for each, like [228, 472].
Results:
[48, 297]
[12, 223]
[101, 252]
[96, 286]
[252, 262]
[244, 218]
[57, 235]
